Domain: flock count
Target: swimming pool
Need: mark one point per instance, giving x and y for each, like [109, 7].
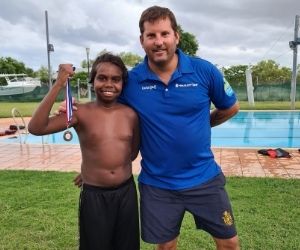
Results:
[271, 129]
[259, 129]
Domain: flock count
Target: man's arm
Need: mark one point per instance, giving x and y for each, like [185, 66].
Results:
[78, 180]
[40, 122]
[218, 116]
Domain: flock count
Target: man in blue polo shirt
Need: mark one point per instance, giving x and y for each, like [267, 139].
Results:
[172, 93]
[175, 121]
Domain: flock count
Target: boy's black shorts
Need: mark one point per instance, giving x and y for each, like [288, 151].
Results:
[108, 217]
[162, 210]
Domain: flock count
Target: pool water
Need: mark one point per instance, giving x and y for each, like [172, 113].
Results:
[247, 129]
[259, 129]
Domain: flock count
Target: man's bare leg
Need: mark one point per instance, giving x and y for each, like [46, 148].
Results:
[170, 245]
[227, 244]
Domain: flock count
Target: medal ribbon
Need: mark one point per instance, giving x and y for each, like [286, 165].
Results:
[69, 104]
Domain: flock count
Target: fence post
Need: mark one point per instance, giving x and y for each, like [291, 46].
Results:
[89, 91]
[78, 89]
[293, 45]
[249, 87]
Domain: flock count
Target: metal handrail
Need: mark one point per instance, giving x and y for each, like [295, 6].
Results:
[15, 112]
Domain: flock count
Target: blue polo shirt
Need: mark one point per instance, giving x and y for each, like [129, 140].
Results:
[175, 121]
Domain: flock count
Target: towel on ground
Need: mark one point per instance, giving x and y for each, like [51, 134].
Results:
[275, 153]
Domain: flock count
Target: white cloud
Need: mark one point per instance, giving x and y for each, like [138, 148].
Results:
[229, 32]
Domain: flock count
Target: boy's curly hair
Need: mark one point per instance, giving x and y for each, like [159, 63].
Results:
[110, 58]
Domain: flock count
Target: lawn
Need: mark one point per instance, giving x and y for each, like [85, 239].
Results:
[25, 108]
[38, 210]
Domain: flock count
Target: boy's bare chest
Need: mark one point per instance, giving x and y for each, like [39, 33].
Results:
[103, 126]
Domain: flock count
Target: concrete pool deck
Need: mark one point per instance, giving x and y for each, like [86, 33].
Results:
[67, 158]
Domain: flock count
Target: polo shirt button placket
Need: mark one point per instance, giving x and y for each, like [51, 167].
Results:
[167, 93]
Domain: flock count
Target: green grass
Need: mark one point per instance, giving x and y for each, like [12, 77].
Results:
[27, 108]
[38, 210]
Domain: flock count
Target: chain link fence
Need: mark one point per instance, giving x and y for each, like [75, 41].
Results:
[262, 92]
[80, 91]
[267, 92]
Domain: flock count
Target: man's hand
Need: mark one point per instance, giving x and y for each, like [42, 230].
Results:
[62, 107]
[78, 180]
[218, 116]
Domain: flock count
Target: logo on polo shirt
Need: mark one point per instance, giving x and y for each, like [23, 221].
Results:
[149, 87]
[227, 88]
[186, 85]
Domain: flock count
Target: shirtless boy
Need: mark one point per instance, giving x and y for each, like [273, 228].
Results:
[109, 139]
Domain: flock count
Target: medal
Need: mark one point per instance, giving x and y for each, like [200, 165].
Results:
[67, 134]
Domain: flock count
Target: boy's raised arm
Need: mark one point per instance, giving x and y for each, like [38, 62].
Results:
[40, 122]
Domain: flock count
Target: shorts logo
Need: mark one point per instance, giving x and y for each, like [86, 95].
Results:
[227, 218]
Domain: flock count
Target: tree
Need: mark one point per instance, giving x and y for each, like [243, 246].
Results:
[9, 65]
[130, 59]
[268, 71]
[188, 42]
[82, 76]
[84, 62]
[285, 74]
[42, 73]
[235, 74]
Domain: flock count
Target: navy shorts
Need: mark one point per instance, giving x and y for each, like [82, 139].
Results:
[108, 217]
[162, 210]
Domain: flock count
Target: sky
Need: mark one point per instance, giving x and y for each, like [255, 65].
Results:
[229, 32]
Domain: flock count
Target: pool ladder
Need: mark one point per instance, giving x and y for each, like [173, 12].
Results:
[16, 113]
[23, 135]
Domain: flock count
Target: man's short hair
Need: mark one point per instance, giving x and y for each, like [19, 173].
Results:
[155, 13]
